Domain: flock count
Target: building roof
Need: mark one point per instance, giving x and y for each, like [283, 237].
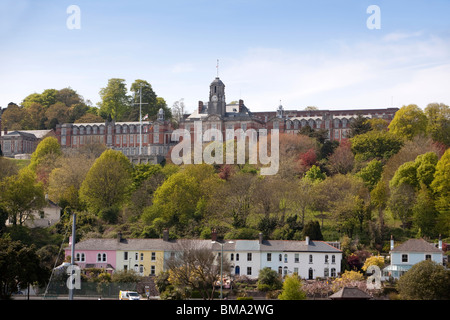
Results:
[350, 293]
[416, 245]
[232, 245]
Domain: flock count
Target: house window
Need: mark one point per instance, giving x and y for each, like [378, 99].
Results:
[249, 256]
[152, 270]
[249, 271]
[326, 272]
[428, 257]
[297, 258]
[80, 257]
[285, 258]
[237, 256]
[333, 259]
[136, 256]
[232, 256]
[269, 257]
[326, 258]
[101, 257]
[285, 270]
[142, 256]
[404, 258]
[333, 272]
[280, 270]
[125, 255]
[310, 258]
[153, 256]
[280, 257]
[296, 270]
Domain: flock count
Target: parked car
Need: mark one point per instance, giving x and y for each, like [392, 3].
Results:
[129, 295]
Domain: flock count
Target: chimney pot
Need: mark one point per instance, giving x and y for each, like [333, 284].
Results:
[165, 235]
[119, 237]
[214, 235]
[307, 240]
[260, 238]
[392, 242]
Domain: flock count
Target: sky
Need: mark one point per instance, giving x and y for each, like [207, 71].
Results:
[321, 53]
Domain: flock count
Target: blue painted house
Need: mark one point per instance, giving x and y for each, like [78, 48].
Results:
[407, 254]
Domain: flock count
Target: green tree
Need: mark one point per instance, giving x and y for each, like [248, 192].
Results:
[269, 280]
[19, 266]
[425, 214]
[441, 191]
[292, 288]
[115, 101]
[438, 115]
[401, 202]
[426, 280]
[177, 200]
[359, 126]
[371, 173]
[375, 144]
[20, 195]
[312, 230]
[315, 174]
[152, 102]
[107, 183]
[409, 122]
[48, 148]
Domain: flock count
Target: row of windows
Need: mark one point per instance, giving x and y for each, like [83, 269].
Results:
[101, 129]
[138, 256]
[101, 257]
[140, 269]
[285, 271]
[235, 257]
[405, 257]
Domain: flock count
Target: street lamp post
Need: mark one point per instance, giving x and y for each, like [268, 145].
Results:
[221, 266]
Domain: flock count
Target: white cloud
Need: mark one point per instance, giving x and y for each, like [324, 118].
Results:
[362, 75]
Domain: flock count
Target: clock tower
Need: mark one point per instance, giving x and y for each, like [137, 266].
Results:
[217, 104]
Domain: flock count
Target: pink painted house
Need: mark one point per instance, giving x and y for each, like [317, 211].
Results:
[93, 256]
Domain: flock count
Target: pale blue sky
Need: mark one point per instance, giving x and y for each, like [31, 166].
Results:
[304, 53]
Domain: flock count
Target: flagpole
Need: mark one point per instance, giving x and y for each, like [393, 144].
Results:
[140, 119]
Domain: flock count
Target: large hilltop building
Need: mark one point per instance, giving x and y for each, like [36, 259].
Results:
[150, 142]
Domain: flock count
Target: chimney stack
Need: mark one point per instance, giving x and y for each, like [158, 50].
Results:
[241, 105]
[166, 235]
[392, 242]
[200, 106]
[260, 238]
[119, 237]
[307, 240]
[214, 235]
[440, 243]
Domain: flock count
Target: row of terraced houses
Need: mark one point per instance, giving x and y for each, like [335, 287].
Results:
[309, 259]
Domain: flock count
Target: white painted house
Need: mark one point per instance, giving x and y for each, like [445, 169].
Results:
[309, 259]
[407, 254]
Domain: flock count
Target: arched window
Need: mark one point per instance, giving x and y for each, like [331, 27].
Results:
[285, 258]
[326, 258]
[280, 270]
[333, 272]
[333, 259]
[310, 258]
